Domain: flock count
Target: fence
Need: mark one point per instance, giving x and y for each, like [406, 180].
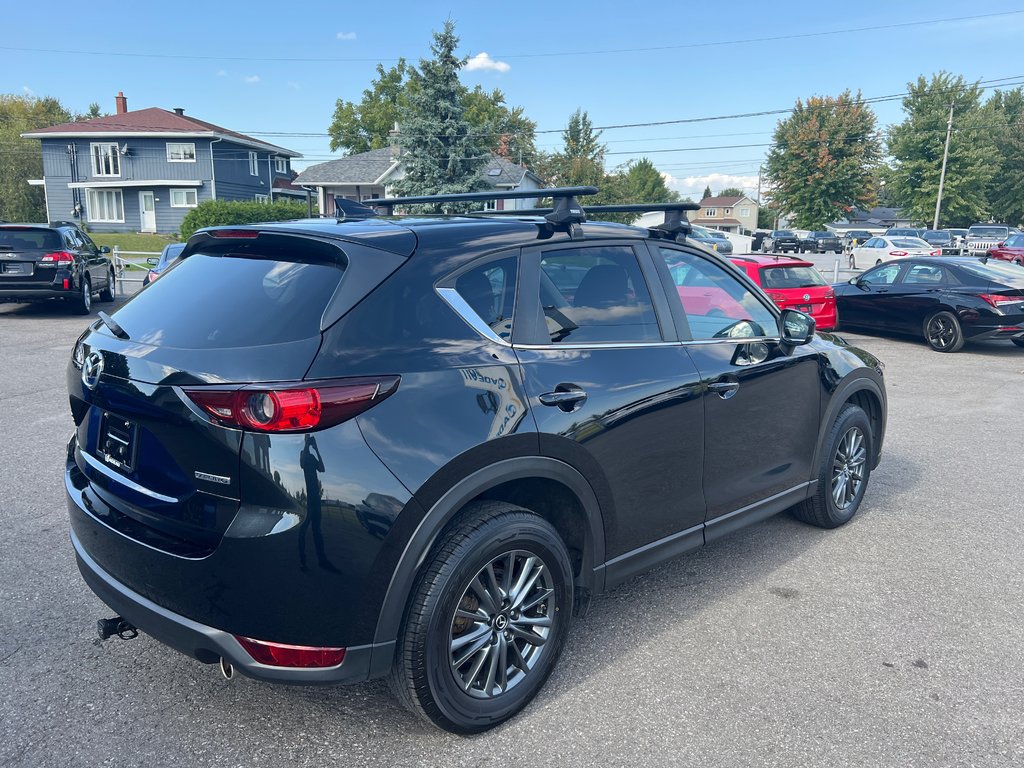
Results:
[132, 269]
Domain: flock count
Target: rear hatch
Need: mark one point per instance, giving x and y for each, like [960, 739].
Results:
[30, 256]
[796, 286]
[232, 312]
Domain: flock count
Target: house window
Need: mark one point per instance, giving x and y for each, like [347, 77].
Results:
[183, 198]
[261, 199]
[181, 153]
[106, 160]
[281, 164]
[744, 212]
[253, 167]
[710, 212]
[105, 205]
[727, 211]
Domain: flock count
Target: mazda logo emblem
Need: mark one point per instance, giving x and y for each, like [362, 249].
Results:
[91, 370]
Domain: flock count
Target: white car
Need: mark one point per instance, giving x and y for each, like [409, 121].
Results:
[879, 249]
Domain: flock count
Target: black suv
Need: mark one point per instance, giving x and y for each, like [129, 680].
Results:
[320, 451]
[39, 261]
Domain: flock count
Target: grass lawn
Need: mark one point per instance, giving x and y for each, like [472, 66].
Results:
[130, 241]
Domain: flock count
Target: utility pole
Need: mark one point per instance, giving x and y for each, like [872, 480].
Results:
[942, 176]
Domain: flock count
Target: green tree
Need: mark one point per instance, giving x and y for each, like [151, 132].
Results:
[507, 131]
[93, 112]
[731, 192]
[645, 184]
[707, 193]
[1006, 193]
[916, 146]
[366, 125]
[823, 158]
[444, 153]
[22, 159]
[766, 217]
[581, 161]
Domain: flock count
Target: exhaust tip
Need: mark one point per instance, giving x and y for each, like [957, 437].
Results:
[226, 668]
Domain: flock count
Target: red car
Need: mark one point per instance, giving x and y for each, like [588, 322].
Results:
[793, 284]
[1011, 249]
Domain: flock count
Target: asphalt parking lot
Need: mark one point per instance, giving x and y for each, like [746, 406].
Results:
[897, 640]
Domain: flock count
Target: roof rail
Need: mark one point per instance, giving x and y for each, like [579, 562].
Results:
[673, 225]
[565, 212]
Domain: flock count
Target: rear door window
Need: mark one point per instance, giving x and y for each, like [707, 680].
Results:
[215, 302]
[489, 290]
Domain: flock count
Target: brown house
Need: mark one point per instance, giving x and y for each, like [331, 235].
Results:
[729, 214]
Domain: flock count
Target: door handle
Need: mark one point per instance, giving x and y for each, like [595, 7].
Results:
[567, 397]
[724, 389]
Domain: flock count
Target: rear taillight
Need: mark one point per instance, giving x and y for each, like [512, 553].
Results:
[830, 294]
[153, 275]
[897, 254]
[997, 300]
[58, 258]
[281, 655]
[292, 407]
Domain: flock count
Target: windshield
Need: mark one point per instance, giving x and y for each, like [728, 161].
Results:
[217, 302]
[988, 232]
[791, 277]
[1015, 241]
[910, 242]
[821, 235]
[782, 233]
[29, 238]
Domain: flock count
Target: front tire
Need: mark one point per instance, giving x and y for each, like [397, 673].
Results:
[486, 620]
[843, 473]
[943, 333]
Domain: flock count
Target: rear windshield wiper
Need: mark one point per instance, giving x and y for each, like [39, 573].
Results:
[111, 323]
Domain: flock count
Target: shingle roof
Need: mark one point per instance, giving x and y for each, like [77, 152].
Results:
[151, 120]
[726, 202]
[368, 167]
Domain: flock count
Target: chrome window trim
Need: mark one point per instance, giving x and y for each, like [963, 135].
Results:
[104, 470]
[600, 345]
[735, 340]
[459, 305]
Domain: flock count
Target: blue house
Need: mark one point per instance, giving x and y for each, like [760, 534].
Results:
[143, 171]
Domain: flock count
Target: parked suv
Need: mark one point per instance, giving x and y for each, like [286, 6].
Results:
[40, 261]
[321, 452]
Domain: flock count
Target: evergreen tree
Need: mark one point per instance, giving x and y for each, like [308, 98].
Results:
[823, 159]
[645, 184]
[581, 161]
[731, 192]
[707, 193]
[444, 154]
[22, 159]
[1006, 193]
[917, 146]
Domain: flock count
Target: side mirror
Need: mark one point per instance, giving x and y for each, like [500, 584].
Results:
[797, 328]
[152, 261]
[104, 249]
[999, 245]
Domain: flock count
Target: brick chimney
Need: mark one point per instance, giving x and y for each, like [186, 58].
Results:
[121, 103]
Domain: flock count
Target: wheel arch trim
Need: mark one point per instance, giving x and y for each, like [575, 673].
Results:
[444, 509]
[842, 394]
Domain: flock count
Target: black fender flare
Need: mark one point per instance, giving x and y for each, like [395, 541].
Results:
[402, 580]
[842, 393]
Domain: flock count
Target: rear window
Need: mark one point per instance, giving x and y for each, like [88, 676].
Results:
[909, 242]
[791, 277]
[216, 302]
[25, 239]
[1000, 272]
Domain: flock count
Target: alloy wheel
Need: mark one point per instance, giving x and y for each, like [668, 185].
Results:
[848, 468]
[941, 332]
[501, 624]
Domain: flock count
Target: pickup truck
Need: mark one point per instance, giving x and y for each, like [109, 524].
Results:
[780, 241]
[821, 242]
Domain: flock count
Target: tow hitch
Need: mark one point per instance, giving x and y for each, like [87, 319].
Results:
[107, 628]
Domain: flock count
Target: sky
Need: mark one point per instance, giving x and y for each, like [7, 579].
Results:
[274, 70]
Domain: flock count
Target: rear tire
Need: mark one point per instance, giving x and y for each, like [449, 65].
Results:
[83, 302]
[843, 472]
[943, 333]
[107, 294]
[469, 654]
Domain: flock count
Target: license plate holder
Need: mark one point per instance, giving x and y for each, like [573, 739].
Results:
[20, 268]
[805, 308]
[118, 443]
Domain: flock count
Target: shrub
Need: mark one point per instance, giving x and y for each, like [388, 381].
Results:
[214, 213]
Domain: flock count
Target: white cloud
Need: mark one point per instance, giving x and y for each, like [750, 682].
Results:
[346, 35]
[252, 79]
[484, 61]
[27, 91]
[222, 73]
[693, 186]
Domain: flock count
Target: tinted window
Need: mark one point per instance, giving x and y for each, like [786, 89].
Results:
[596, 295]
[885, 274]
[1015, 241]
[213, 302]
[170, 253]
[988, 232]
[924, 274]
[714, 300]
[909, 242]
[490, 290]
[26, 238]
[782, 233]
[791, 277]
[1000, 272]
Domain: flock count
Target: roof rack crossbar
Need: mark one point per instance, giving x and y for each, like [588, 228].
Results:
[564, 212]
[675, 222]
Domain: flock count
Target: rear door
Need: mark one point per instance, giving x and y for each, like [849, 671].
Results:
[761, 403]
[233, 316]
[611, 389]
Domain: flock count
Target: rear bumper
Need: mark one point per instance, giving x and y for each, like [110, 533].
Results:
[35, 293]
[208, 644]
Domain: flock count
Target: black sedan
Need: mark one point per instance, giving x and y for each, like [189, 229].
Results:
[947, 300]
